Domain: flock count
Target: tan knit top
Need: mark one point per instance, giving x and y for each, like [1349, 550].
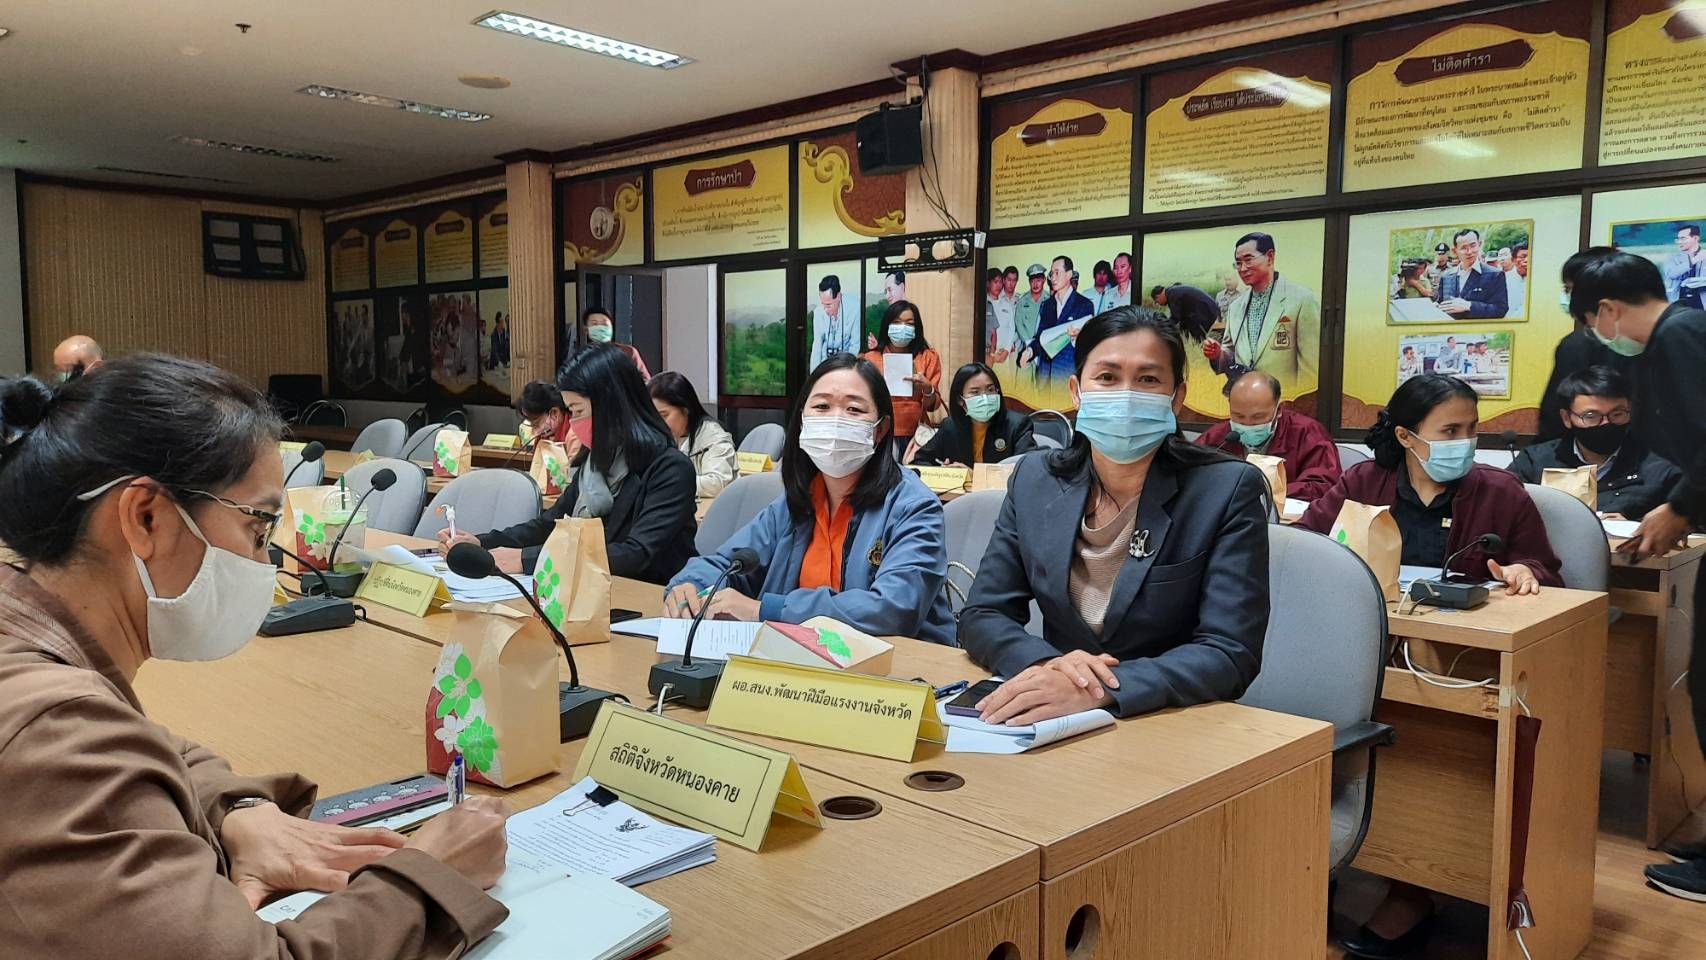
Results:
[1096, 560]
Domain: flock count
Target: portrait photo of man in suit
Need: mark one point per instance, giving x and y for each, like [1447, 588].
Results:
[1474, 289]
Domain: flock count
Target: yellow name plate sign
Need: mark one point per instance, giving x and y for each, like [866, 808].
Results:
[502, 441]
[695, 777]
[991, 476]
[944, 479]
[400, 588]
[830, 708]
[750, 463]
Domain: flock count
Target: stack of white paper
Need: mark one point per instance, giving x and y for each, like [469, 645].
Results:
[551, 914]
[971, 735]
[896, 368]
[578, 836]
[484, 590]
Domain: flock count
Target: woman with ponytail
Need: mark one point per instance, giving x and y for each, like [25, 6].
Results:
[1424, 469]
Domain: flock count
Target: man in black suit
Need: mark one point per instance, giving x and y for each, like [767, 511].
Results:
[1474, 290]
[1597, 413]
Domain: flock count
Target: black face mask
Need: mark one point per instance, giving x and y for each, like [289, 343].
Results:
[1603, 439]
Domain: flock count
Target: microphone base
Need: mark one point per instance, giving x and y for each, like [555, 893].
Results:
[1445, 593]
[307, 615]
[343, 583]
[691, 686]
[577, 708]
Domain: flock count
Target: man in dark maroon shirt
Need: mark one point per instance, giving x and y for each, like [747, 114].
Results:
[1261, 424]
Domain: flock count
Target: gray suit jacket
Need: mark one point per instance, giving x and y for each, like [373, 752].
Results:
[1186, 621]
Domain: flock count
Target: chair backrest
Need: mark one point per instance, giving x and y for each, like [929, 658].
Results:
[383, 437]
[325, 413]
[969, 520]
[1577, 535]
[1320, 659]
[1350, 456]
[484, 500]
[735, 507]
[1049, 425]
[766, 438]
[397, 509]
[419, 441]
[311, 475]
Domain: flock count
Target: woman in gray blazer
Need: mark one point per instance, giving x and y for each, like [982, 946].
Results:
[1148, 556]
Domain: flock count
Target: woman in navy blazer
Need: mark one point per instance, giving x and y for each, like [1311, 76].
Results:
[1185, 589]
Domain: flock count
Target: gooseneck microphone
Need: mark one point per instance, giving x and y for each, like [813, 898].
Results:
[310, 613]
[694, 683]
[577, 705]
[310, 453]
[344, 584]
[1442, 591]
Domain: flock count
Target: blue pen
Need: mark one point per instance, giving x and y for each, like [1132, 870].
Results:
[457, 781]
[943, 693]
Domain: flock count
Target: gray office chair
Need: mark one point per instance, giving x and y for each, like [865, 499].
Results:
[311, 475]
[384, 438]
[398, 509]
[419, 444]
[324, 413]
[484, 500]
[969, 520]
[1350, 456]
[1577, 535]
[735, 507]
[1327, 660]
[1050, 429]
[766, 438]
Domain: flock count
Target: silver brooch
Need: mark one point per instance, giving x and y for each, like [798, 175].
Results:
[1140, 544]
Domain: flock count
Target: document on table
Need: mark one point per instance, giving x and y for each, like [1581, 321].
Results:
[1622, 529]
[896, 368]
[577, 835]
[551, 914]
[715, 640]
[971, 735]
[648, 627]
[1055, 338]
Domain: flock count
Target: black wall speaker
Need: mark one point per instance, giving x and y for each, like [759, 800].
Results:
[890, 139]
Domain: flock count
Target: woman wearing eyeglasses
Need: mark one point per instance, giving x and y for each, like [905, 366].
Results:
[979, 429]
[139, 505]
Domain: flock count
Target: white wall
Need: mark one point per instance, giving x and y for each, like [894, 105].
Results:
[690, 326]
[11, 278]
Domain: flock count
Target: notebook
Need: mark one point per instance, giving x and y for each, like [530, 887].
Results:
[551, 916]
[971, 735]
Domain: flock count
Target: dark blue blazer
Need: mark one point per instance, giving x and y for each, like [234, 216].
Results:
[1489, 298]
[1186, 621]
[1078, 307]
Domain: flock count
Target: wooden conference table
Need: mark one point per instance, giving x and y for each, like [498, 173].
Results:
[1199, 832]
[1446, 798]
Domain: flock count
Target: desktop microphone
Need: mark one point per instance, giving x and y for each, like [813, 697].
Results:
[310, 453]
[345, 583]
[694, 683]
[577, 706]
[1443, 591]
[1510, 439]
[310, 613]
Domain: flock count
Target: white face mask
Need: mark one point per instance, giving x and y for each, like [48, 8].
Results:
[839, 446]
[217, 613]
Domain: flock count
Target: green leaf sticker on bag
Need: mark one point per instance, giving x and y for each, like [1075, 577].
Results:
[558, 470]
[546, 581]
[446, 462]
[478, 743]
[458, 688]
[313, 531]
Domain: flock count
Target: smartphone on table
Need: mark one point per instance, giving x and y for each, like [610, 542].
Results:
[965, 705]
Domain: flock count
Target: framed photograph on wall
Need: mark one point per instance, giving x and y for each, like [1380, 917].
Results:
[1459, 272]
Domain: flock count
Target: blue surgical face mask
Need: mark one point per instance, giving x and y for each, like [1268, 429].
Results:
[983, 407]
[1448, 460]
[1125, 425]
[1617, 343]
[1255, 434]
[1564, 300]
[901, 334]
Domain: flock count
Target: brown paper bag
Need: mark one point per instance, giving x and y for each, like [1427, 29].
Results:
[572, 580]
[452, 453]
[550, 468]
[313, 530]
[1273, 470]
[991, 476]
[1579, 482]
[1372, 534]
[493, 698]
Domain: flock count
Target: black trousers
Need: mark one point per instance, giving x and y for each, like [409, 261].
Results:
[1697, 664]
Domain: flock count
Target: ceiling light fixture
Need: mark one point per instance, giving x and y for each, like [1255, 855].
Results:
[277, 153]
[522, 26]
[394, 103]
[161, 173]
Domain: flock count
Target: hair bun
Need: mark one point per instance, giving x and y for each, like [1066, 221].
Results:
[23, 404]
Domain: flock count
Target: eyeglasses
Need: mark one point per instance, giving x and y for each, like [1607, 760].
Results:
[1594, 418]
[267, 517]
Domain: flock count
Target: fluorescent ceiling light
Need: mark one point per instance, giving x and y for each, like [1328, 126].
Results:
[375, 100]
[581, 40]
[250, 148]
